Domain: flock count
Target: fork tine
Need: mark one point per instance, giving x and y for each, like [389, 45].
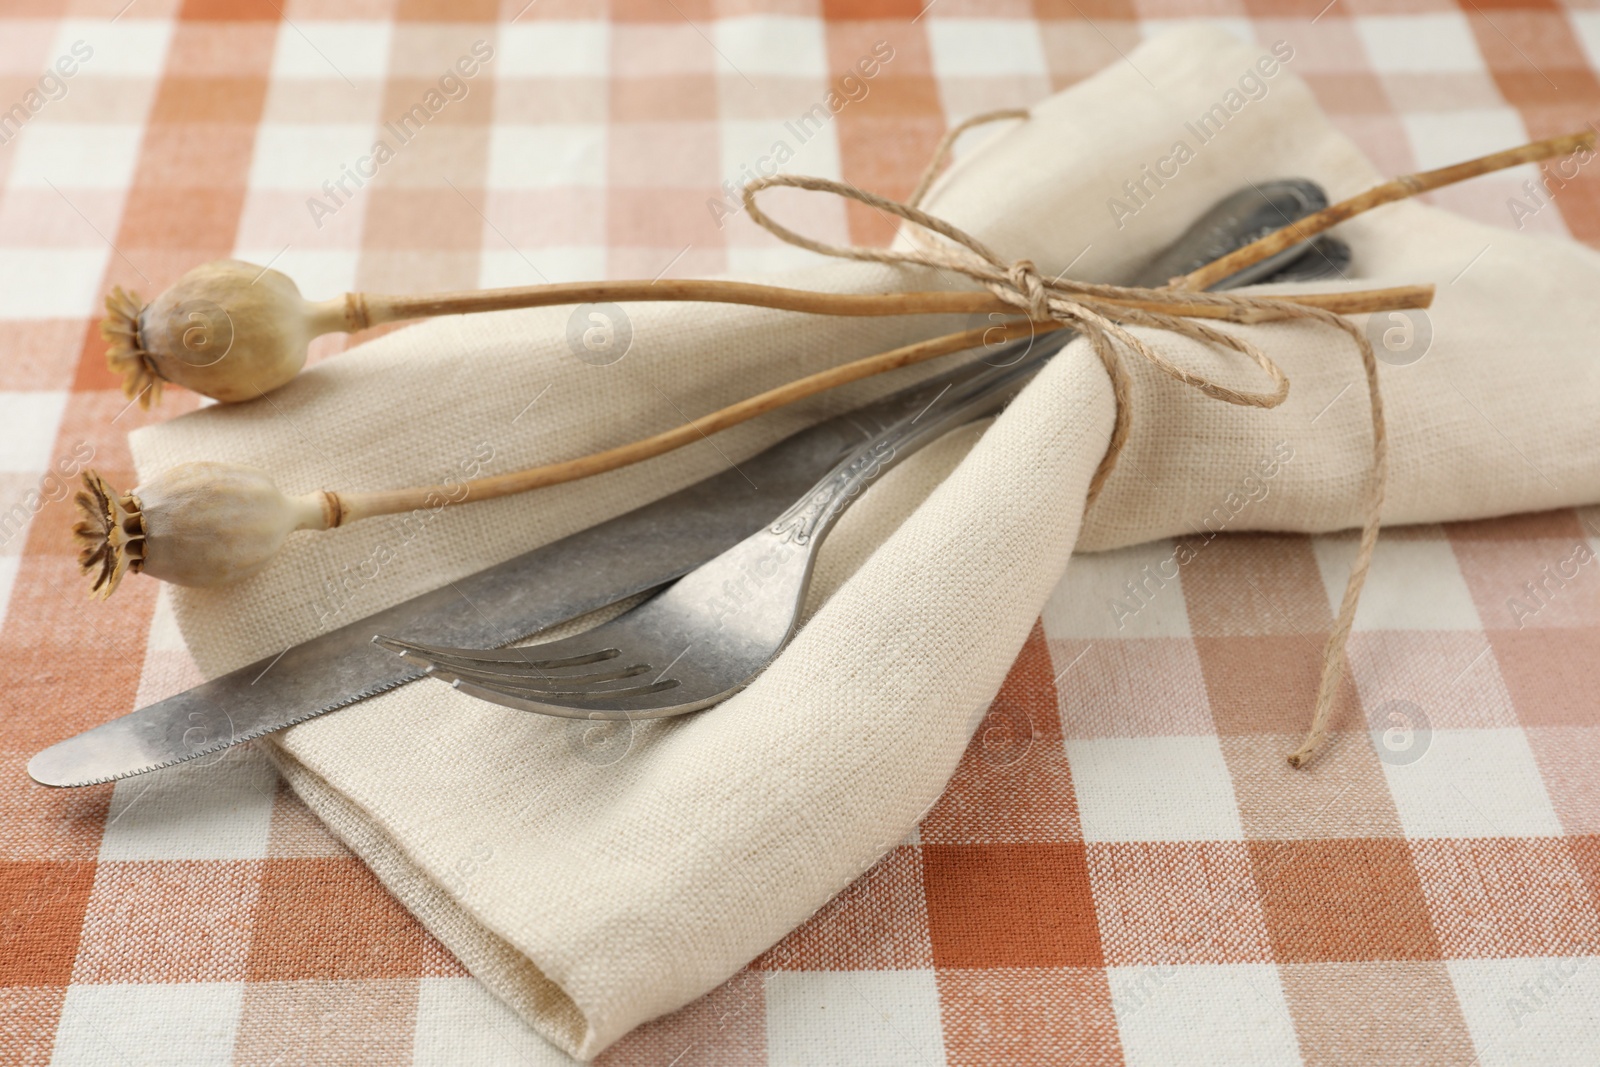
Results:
[529, 700]
[553, 686]
[521, 674]
[489, 659]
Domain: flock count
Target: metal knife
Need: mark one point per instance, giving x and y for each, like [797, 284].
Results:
[587, 570]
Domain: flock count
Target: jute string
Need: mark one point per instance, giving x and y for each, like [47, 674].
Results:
[1083, 306]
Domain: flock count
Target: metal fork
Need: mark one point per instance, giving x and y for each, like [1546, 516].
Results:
[707, 635]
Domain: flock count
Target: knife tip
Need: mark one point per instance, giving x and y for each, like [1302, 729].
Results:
[46, 768]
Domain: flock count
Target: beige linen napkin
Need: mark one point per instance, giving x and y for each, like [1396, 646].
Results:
[594, 897]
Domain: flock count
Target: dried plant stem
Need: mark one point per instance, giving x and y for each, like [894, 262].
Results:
[360, 505]
[1400, 188]
[1355, 302]
[374, 309]
[353, 506]
[367, 309]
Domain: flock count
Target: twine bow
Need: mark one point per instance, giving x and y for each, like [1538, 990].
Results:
[1088, 307]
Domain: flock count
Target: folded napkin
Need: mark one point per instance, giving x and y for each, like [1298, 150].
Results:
[592, 896]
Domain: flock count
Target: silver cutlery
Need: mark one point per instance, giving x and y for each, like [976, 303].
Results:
[707, 635]
[712, 630]
[590, 569]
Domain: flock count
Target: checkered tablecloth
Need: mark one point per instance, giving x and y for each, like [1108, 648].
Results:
[1124, 868]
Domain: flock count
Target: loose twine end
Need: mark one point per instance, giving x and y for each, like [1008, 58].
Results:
[1100, 313]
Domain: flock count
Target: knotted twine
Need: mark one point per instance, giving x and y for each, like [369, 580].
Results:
[1084, 306]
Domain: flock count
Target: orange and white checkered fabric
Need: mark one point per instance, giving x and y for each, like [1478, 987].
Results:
[1426, 893]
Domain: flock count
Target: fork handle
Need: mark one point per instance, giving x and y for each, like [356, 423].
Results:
[960, 402]
[976, 390]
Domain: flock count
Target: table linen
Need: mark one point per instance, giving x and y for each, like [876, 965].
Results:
[963, 964]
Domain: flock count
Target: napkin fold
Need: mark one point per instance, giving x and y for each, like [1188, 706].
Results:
[593, 893]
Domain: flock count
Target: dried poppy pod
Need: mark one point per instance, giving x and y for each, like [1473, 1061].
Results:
[196, 524]
[228, 330]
